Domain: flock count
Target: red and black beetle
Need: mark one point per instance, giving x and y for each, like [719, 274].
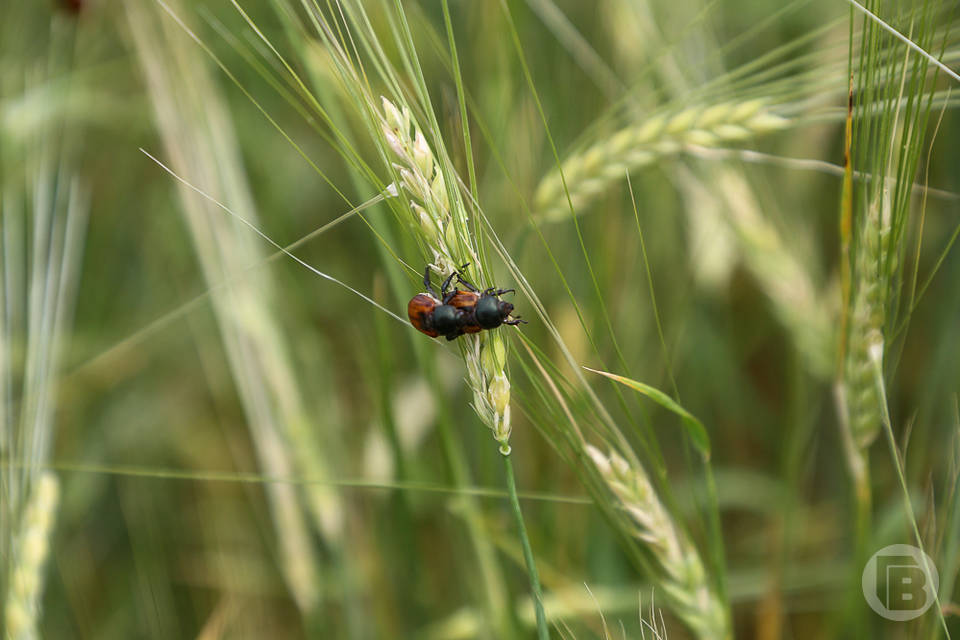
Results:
[454, 313]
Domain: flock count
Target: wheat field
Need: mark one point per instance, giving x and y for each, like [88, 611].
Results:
[725, 383]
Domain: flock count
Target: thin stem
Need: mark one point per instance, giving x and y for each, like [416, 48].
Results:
[542, 632]
[716, 536]
[901, 476]
[863, 494]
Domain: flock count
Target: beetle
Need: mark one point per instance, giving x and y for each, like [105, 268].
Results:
[430, 314]
[454, 313]
[483, 309]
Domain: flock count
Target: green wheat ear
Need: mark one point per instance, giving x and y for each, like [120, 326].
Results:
[884, 144]
[867, 316]
[30, 551]
[441, 223]
[684, 577]
[589, 173]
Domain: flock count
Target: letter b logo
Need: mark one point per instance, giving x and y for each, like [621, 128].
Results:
[900, 582]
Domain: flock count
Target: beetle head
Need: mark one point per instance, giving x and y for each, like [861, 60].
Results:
[491, 311]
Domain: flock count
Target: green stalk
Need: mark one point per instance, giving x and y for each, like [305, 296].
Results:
[542, 632]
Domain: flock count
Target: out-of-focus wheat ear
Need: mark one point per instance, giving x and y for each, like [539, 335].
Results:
[197, 134]
[866, 326]
[860, 404]
[31, 547]
[886, 131]
[884, 145]
[590, 172]
[775, 265]
[745, 234]
[858, 399]
[44, 208]
[682, 575]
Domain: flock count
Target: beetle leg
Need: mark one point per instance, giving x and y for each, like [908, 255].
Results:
[466, 283]
[446, 283]
[500, 292]
[426, 282]
[515, 321]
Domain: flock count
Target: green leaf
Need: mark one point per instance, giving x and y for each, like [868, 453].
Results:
[698, 433]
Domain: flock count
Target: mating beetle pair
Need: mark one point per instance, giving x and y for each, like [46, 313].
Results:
[454, 313]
